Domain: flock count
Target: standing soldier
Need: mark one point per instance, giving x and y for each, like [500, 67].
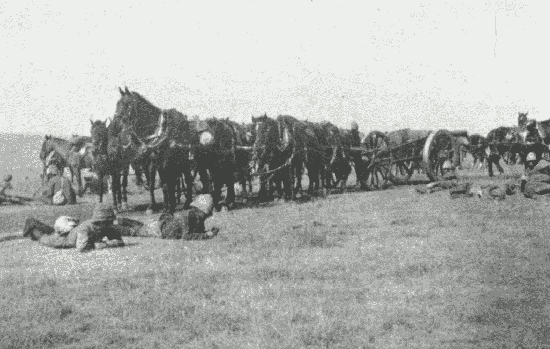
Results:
[356, 156]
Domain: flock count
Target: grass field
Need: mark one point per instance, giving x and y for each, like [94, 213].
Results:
[385, 269]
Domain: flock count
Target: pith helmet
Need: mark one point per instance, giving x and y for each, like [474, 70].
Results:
[205, 203]
[103, 212]
[65, 224]
[354, 126]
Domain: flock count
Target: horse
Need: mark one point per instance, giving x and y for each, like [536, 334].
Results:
[112, 156]
[215, 152]
[243, 157]
[334, 155]
[477, 148]
[501, 140]
[66, 155]
[165, 140]
[505, 142]
[271, 157]
[305, 149]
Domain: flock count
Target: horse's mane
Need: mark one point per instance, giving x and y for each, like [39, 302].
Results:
[144, 100]
[287, 118]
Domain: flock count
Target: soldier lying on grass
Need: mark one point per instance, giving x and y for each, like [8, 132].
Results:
[186, 225]
[537, 183]
[90, 234]
[86, 236]
[465, 189]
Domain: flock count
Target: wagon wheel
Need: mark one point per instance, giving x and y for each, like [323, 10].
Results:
[400, 171]
[375, 140]
[439, 154]
[377, 176]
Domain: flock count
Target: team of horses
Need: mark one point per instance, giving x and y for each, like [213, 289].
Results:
[504, 143]
[222, 152]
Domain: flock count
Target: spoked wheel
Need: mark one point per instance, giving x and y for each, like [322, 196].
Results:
[375, 140]
[377, 173]
[400, 171]
[439, 154]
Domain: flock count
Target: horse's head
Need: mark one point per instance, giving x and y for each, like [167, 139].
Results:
[266, 137]
[250, 133]
[522, 120]
[125, 106]
[99, 134]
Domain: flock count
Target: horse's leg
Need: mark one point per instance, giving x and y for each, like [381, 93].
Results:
[171, 180]
[78, 173]
[163, 173]
[216, 179]
[205, 180]
[152, 178]
[230, 183]
[265, 183]
[248, 175]
[242, 181]
[311, 178]
[115, 179]
[147, 172]
[499, 167]
[297, 173]
[490, 160]
[137, 172]
[100, 177]
[189, 179]
[287, 178]
[125, 174]
[178, 188]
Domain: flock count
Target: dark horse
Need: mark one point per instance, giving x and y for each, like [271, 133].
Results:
[333, 154]
[165, 141]
[66, 155]
[504, 140]
[114, 149]
[477, 148]
[215, 153]
[243, 157]
[301, 141]
[272, 157]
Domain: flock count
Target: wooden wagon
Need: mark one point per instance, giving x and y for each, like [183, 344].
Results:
[392, 158]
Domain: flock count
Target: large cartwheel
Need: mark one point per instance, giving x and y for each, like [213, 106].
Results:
[440, 154]
[374, 144]
[435, 154]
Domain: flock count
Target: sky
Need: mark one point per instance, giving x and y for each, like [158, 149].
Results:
[469, 65]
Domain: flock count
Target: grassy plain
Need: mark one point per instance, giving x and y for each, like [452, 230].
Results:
[385, 269]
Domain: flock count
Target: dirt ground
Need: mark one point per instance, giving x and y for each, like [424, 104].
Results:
[380, 269]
